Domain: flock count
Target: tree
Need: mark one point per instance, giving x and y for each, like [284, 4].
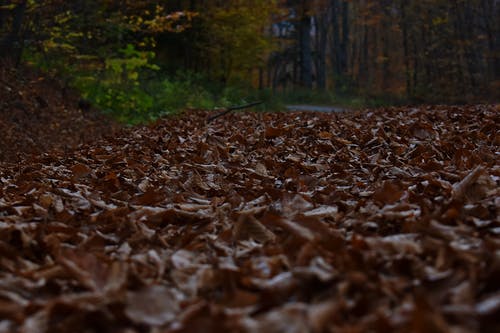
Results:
[228, 40]
[234, 37]
[424, 50]
[305, 47]
[11, 20]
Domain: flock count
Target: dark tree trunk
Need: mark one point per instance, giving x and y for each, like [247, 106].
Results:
[345, 37]
[487, 26]
[2, 15]
[340, 41]
[305, 52]
[11, 44]
[462, 33]
[322, 32]
[403, 23]
[496, 45]
[386, 25]
[335, 44]
[364, 70]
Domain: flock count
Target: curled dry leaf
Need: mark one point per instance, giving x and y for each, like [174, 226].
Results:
[154, 305]
[80, 171]
[474, 187]
[397, 244]
[248, 227]
[322, 211]
[388, 193]
[489, 306]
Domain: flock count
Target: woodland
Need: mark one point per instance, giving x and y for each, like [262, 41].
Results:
[153, 181]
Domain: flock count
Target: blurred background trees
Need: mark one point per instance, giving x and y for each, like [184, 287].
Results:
[148, 57]
[429, 50]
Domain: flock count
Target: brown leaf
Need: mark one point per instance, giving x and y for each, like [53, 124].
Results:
[80, 171]
[388, 193]
[322, 211]
[154, 305]
[92, 271]
[474, 187]
[248, 227]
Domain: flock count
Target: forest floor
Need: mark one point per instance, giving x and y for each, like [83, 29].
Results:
[383, 220]
[38, 114]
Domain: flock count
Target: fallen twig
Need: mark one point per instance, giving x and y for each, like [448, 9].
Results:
[232, 108]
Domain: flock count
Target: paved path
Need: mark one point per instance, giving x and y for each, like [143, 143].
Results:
[315, 108]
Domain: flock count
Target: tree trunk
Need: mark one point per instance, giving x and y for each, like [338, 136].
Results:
[305, 52]
[403, 23]
[11, 44]
[335, 43]
[345, 37]
[496, 44]
[340, 41]
[322, 32]
[364, 69]
[462, 34]
[487, 7]
[386, 32]
[2, 15]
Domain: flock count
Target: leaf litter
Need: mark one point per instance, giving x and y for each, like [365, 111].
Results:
[379, 220]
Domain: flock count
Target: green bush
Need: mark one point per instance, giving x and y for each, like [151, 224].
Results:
[179, 92]
[132, 89]
[117, 89]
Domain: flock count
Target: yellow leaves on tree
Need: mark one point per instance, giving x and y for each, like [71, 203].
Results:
[236, 38]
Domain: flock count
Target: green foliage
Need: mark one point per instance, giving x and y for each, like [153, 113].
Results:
[184, 90]
[135, 91]
[117, 88]
[105, 50]
[83, 42]
[429, 50]
[232, 37]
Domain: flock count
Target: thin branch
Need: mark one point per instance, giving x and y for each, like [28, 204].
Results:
[232, 108]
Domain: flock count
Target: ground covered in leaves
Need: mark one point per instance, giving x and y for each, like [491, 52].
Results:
[38, 113]
[374, 221]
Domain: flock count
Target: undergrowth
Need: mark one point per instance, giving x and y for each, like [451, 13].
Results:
[132, 88]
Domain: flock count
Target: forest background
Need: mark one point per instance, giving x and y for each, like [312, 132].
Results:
[139, 60]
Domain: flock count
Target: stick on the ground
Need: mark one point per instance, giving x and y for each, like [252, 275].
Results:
[232, 108]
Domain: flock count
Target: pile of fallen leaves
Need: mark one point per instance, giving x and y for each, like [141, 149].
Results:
[373, 221]
[38, 114]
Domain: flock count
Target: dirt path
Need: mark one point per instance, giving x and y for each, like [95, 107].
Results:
[316, 108]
